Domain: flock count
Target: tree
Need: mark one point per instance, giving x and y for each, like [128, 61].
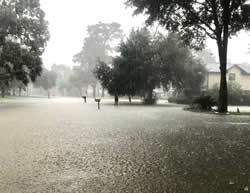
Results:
[79, 79]
[23, 37]
[236, 95]
[133, 72]
[97, 46]
[146, 63]
[195, 20]
[111, 79]
[63, 73]
[137, 63]
[47, 80]
[15, 84]
[177, 66]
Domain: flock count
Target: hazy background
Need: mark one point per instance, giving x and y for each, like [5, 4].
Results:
[68, 21]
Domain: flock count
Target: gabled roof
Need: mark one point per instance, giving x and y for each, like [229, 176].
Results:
[245, 68]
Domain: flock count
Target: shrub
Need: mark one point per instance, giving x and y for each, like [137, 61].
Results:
[151, 101]
[205, 102]
[181, 99]
[236, 95]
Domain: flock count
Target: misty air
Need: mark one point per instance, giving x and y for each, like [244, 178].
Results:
[120, 96]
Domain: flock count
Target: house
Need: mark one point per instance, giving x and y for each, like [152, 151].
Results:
[239, 73]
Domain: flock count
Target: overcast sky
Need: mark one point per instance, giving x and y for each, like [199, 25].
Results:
[68, 21]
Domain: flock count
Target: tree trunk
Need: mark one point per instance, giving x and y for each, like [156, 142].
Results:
[116, 99]
[20, 91]
[3, 92]
[222, 43]
[103, 94]
[149, 96]
[223, 101]
[94, 90]
[14, 91]
[27, 89]
[130, 99]
[223, 95]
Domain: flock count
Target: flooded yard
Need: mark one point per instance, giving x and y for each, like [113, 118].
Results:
[64, 145]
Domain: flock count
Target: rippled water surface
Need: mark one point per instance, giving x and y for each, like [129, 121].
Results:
[64, 145]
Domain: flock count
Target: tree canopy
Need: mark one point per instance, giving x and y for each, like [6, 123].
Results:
[79, 78]
[146, 62]
[195, 20]
[46, 80]
[23, 37]
[177, 65]
[97, 46]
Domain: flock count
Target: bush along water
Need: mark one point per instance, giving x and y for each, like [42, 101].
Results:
[204, 103]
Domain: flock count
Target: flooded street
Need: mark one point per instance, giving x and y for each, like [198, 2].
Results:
[64, 145]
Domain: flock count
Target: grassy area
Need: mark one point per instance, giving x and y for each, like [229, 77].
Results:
[241, 113]
[215, 112]
[7, 98]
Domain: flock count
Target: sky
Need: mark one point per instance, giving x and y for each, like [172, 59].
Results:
[68, 21]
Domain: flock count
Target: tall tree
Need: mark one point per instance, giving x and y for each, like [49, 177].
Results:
[145, 63]
[23, 37]
[47, 80]
[111, 78]
[177, 66]
[63, 73]
[195, 20]
[137, 62]
[79, 79]
[97, 46]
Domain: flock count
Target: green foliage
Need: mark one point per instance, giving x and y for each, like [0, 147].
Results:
[63, 74]
[47, 80]
[146, 63]
[178, 67]
[18, 63]
[104, 74]
[196, 20]
[23, 37]
[97, 46]
[110, 78]
[180, 99]
[79, 78]
[150, 100]
[133, 72]
[137, 64]
[236, 95]
[205, 102]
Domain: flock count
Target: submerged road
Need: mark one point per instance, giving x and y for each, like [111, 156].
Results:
[64, 145]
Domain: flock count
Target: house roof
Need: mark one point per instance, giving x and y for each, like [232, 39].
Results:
[245, 68]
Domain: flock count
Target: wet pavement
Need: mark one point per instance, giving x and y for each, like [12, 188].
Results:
[64, 145]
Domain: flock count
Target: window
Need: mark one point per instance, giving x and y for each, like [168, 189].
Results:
[231, 76]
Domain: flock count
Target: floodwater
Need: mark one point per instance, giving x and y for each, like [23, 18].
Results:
[64, 145]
